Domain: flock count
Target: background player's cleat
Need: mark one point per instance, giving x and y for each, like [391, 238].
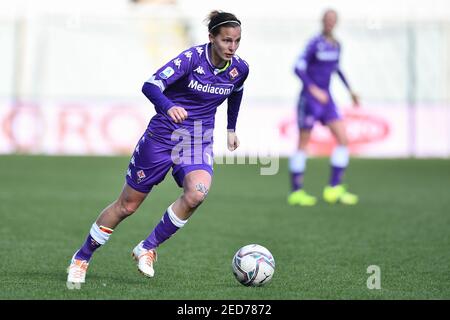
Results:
[339, 194]
[76, 273]
[145, 259]
[300, 197]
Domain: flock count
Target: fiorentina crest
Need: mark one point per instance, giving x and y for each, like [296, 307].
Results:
[233, 73]
[141, 175]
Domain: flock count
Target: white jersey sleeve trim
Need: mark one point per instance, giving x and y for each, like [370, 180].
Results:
[157, 83]
[301, 64]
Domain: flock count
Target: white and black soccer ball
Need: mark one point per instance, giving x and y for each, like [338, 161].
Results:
[253, 265]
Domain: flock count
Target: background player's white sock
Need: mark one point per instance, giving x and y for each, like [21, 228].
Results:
[297, 166]
[339, 162]
[340, 156]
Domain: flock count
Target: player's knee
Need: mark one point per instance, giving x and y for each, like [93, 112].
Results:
[194, 198]
[126, 208]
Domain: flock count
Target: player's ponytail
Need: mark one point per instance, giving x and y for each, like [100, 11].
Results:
[217, 19]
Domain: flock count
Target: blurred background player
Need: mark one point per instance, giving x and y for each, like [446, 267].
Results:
[315, 67]
[186, 93]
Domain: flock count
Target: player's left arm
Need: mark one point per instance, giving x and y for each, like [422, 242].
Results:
[353, 95]
[234, 104]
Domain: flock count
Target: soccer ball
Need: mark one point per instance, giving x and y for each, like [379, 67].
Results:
[253, 265]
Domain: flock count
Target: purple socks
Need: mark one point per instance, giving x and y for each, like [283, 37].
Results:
[96, 238]
[336, 176]
[168, 225]
[296, 181]
[88, 248]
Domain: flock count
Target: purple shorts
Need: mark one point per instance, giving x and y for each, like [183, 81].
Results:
[309, 110]
[152, 159]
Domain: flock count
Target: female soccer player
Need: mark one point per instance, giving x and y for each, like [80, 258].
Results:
[186, 93]
[315, 67]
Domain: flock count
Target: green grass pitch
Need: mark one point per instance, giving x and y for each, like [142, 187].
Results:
[402, 225]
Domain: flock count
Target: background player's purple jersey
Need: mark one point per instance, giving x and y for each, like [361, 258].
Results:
[318, 62]
[191, 81]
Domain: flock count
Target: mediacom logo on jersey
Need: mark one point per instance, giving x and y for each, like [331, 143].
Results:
[194, 84]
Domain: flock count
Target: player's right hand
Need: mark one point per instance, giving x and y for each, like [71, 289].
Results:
[177, 114]
[320, 94]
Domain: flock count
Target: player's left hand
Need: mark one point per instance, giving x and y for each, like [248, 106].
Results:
[355, 99]
[233, 141]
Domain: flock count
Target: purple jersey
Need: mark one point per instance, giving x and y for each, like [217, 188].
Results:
[191, 81]
[315, 66]
[318, 62]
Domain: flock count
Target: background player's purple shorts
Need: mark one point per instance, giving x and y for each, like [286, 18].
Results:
[309, 110]
[152, 159]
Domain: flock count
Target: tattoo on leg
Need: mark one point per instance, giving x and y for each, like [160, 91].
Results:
[201, 188]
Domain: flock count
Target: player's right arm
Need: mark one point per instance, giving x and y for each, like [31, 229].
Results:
[300, 70]
[163, 104]
[154, 87]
